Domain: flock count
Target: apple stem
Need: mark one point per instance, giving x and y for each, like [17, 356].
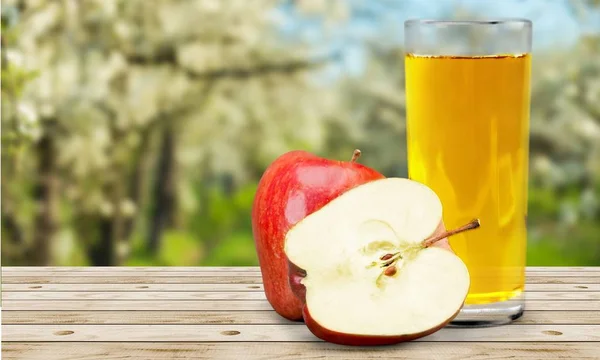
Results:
[473, 224]
[390, 260]
[355, 155]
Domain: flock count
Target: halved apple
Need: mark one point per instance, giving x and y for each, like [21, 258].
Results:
[364, 268]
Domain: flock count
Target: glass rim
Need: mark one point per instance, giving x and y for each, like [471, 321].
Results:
[490, 21]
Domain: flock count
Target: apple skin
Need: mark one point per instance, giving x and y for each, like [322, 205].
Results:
[296, 274]
[363, 340]
[295, 185]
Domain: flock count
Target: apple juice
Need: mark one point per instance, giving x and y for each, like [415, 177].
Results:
[468, 139]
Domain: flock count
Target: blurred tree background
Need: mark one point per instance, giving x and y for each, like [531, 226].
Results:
[135, 132]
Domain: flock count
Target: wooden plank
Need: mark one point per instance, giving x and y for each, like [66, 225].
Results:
[239, 317]
[562, 268]
[287, 333]
[559, 273]
[563, 280]
[176, 272]
[221, 280]
[134, 305]
[125, 269]
[154, 274]
[147, 317]
[562, 287]
[299, 350]
[149, 295]
[229, 287]
[160, 269]
[232, 305]
[228, 295]
[134, 287]
[563, 295]
[558, 317]
[130, 280]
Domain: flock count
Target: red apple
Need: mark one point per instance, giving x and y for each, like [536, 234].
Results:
[373, 266]
[295, 185]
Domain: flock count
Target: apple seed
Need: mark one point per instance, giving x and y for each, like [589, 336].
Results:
[390, 260]
[386, 257]
[390, 271]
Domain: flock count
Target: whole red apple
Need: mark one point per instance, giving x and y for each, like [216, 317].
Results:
[295, 185]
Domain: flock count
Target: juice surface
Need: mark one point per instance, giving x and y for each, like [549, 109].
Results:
[468, 131]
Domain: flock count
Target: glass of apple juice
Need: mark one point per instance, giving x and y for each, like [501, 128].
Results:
[468, 99]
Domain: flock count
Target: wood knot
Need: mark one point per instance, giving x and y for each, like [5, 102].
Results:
[230, 332]
[64, 332]
[551, 332]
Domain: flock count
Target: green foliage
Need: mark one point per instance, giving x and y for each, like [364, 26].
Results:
[68, 251]
[539, 253]
[236, 250]
[14, 78]
[179, 248]
[543, 203]
[236, 247]
[574, 246]
[223, 221]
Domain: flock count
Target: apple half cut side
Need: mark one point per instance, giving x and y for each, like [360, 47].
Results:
[365, 271]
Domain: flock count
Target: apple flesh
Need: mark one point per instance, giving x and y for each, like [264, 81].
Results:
[365, 268]
[295, 185]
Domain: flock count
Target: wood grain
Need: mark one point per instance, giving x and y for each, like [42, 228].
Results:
[140, 280]
[230, 305]
[156, 274]
[222, 313]
[157, 317]
[151, 295]
[228, 295]
[126, 269]
[229, 287]
[563, 295]
[295, 351]
[287, 333]
[143, 317]
[190, 272]
[562, 287]
[160, 269]
[135, 287]
[563, 280]
[168, 279]
[134, 305]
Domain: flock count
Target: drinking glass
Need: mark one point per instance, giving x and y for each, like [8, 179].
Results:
[467, 96]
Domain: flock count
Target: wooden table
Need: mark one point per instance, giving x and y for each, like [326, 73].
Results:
[221, 313]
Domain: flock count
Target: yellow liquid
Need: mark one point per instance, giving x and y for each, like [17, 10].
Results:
[468, 127]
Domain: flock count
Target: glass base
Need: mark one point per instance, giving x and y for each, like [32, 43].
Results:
[492, 314]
